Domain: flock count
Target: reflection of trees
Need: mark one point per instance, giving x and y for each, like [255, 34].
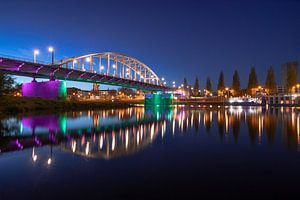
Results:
[252, 122]
[290, 132]
[196, 121]
[235, 121]
[9, 127]
[207, 120]
[221, 121]
[270, 124]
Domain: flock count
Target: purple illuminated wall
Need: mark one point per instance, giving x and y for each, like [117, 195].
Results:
[47, 90]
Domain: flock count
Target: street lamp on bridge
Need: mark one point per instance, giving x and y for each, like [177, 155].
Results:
[35, 53]
[51, 50]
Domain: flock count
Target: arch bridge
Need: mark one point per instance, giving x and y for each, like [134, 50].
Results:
[103, 68]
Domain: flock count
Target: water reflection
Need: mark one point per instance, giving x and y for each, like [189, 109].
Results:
[116, 133]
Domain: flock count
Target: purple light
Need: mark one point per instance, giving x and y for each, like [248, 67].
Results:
[47, 90]
[19, 144]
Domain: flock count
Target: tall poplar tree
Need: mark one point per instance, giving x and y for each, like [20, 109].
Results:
[221, 84]
[252, 82]
[208, 85]
[196, 87]
[236, 85]
[271, 80]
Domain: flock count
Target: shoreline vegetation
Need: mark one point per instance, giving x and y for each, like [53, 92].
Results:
[10, 105]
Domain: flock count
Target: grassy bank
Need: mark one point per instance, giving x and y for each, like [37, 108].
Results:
[17, 105]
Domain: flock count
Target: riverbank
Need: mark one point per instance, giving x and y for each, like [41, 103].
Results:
[10, 105]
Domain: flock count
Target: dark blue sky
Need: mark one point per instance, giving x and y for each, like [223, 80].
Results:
[177, 38]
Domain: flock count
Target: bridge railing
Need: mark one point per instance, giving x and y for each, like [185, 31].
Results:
[24, 59]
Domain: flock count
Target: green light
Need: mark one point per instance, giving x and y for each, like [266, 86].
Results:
[62, 93]
[63, 123]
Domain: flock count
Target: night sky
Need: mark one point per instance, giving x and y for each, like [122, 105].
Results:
[176, 38]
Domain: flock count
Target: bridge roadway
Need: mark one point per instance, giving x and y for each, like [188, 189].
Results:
[48, 71]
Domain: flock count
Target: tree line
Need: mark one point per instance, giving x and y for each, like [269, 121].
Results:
[270, 83]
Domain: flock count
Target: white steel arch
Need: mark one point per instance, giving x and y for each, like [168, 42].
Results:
[113, 64]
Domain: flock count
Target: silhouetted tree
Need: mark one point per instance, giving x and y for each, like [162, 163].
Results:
[236, 85]
[221, 84]
[252, 82]
[271, 80]
[6, 83]
[196, 87]
[208, 86]
[292, 77]
[185, 84]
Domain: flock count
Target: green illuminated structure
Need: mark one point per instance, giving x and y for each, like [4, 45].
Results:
[158, 99]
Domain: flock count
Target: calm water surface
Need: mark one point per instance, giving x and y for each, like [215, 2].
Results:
[137, 153]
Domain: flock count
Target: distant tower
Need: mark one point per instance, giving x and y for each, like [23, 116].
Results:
[96, 87]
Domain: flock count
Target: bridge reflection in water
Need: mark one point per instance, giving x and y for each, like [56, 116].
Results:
[115, 133]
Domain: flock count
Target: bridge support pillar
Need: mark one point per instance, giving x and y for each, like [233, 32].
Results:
[52, 89]
[158, 99]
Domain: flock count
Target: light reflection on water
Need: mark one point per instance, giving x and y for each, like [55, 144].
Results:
[114, 133]
[137, 152]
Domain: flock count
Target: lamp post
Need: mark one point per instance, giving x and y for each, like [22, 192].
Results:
[35, 53]
[51, 50]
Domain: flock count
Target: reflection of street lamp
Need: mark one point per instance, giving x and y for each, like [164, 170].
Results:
[35, 53]
[34, 156]
[49, 161]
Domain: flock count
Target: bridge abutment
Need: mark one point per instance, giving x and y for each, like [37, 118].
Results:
[52, 89]
[158, 99]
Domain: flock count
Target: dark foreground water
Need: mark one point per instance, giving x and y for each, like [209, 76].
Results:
[137, 153]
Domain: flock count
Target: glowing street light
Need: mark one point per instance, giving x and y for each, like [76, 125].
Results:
[35, 53]
[88, 59]
[101, 68]
[51, 50]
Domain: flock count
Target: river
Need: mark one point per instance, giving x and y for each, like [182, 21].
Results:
[158, 153]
